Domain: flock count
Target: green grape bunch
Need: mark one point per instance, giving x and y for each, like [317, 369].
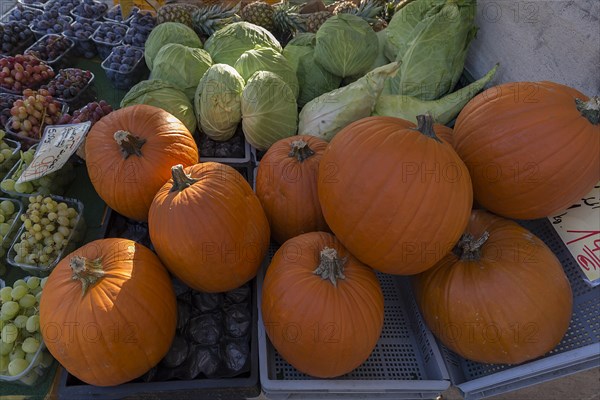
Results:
[20, 337]
[8, 212]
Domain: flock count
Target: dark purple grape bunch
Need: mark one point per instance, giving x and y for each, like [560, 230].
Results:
[69, 83]
[90, 9]
[63, 7]
[91, 112]
[50, 22]
[23, 14]
[114, 14]
[50, 48]
[13, 35]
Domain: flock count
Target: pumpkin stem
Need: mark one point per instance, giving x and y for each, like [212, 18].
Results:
[300, 150]
[590, 109]
[425, 126]
[471, 248]
[331, 266]
[86, 271]
[130, 144]
[180, 179]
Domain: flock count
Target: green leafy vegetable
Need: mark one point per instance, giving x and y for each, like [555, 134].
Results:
[169, 32]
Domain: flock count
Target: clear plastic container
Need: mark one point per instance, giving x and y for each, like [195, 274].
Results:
[73, 100]
[58, 180]
[6, 102]
[110, 15]
[64, 21]
[17, 12]
[27, 141]
[104, 48]
[77, 12]
[57, 62]
[125, 79]
[73, 241]
[22, 45]
[37, 370]
[62, 6]
[9, 236]
[39, 4]
[84, 46]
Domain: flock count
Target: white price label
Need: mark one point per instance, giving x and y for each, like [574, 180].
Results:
[56, 146]
[579, 228]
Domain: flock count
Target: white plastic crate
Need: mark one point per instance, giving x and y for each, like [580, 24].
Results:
[405, 364]
[579, 350]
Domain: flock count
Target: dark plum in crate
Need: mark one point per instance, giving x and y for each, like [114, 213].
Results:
[136, 37]
[22, 14]
[15, 38]
[108, 36]
[89, 9]
[50, 22]
[52, 49]
[33, 3]
[81, 32]
[64, 7]
[125, 66]
[114, 14]
[143, 21]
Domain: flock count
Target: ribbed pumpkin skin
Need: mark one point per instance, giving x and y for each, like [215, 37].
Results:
[511, 306]
[396, 199]
[287, 189]
[529, 150]
[212, 235]
[122, 327]
[129, 185]
[321, 330]
[445, 133]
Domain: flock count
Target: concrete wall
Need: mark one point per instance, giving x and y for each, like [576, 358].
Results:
[557, 40]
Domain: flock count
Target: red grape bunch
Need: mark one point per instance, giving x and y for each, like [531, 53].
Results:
[22, 72]
[32, 113]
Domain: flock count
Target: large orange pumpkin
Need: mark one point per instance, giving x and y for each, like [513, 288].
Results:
[504, 299]
[396, 196]
[286, 185]
[322, 308]
[108, 313]
[208, 228]
[532, 148]
[129, 154]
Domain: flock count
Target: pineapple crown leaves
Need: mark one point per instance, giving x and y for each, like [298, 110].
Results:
[287, 18]
[368, 10]
[210, 18]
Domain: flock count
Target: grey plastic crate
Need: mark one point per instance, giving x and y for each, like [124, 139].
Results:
[405, 364]
[579, 350]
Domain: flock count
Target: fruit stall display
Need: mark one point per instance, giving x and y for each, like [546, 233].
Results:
[298, 189]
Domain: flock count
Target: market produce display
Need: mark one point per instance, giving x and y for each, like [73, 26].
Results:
[371, 148]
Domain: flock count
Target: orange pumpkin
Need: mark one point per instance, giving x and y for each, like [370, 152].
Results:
[445, 133]
[286, 185]
[505, 299]
[396, 196]
[108, 313]
[208, 228]
[129, 154]
[532, 148]
[322, 308]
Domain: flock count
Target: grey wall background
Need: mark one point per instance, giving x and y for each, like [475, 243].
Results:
[557, 40]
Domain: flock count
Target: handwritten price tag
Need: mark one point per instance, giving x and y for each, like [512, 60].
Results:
[57, 145]
[579, 228]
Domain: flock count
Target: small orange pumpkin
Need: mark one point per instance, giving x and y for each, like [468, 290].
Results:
[129, 154]
[108, 313]
[286, 185]
[322, 308]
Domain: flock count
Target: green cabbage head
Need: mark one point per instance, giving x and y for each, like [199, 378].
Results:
[163, 95]
[218, 102]
[165, 33]
[227, 44]
[346, 45]
[269, 110]
[182, 66]
[267, 59]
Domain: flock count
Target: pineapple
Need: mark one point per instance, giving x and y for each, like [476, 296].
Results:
[344, 6]
[259, 13]
[286, 19]
[208, 19]
[368, 10]
[176, 13]
[315, 20]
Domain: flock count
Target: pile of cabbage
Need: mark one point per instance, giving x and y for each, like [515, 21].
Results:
[344, 72]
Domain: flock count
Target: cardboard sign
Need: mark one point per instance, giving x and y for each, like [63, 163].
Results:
[57, 145]
[579, 228]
